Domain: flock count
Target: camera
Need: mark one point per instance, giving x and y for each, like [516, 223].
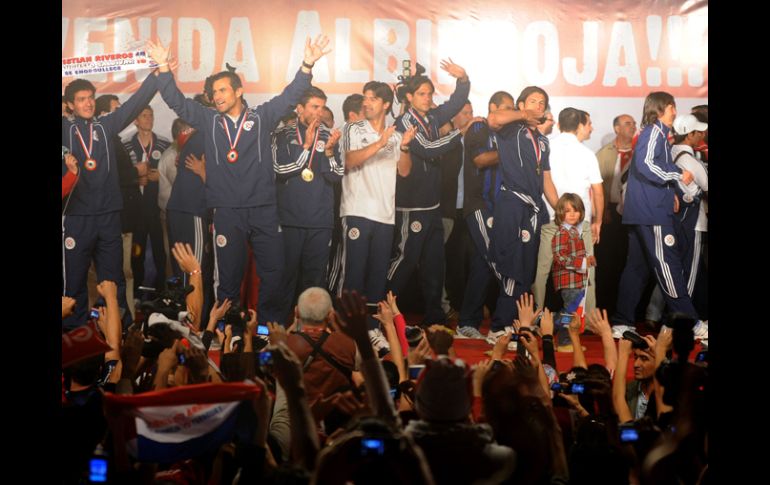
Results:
[235, 316]
[170, 302]
[372, 447]
[221, 325]
[406, 69]
[637, 342]
[263, 330]
[94, 314]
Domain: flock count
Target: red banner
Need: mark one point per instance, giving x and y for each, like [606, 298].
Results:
[626, 49]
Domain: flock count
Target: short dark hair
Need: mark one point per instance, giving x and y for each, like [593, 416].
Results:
[178, 126]
[103, 103]
[654, 105]
[381, 90]
[235, 82]
[311, 92]
[528, 91]
[352, 104]
[701, 113]
[575, 201]
[571, 118]
[414, 83]
[616, 120]
[499, 97]
[75, 86]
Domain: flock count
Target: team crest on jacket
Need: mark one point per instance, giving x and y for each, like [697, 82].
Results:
[525, 237]
[669, 240]
[416, 226]
[156, 154]
[319, 147]
[490, 221]
[96, 136]
[69, 243]
[248, 125]
[528, 135]
[221, 241]
[353, 233]
[542, 145]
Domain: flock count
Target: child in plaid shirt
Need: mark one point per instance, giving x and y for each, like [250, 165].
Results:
[570, 263]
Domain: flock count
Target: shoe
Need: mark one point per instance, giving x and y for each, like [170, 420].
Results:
[701, 330]
[469, 332]
[379, 342]
[568, 348]
[617, 331]
[492, 337]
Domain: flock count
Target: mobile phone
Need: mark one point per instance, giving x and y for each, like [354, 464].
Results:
[262, 330]
[393, 393]
[637, 342]
[181, 358]
[372, 447]
[628, 433]
[566, 319]
[702, 357]
[577, 388]
[94, 314]
[265, 358]
[414, 371]
[221, 325]
[97, 470]
[515, 337]
[371, 308]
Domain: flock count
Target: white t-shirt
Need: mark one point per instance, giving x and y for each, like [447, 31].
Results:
[574, 168]
[370, 190]
[700, 181]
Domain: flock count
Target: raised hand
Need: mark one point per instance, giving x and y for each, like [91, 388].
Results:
[67, 306]
[598, 322]
[546, 322]
[351, 318]
[383, 141]
[527, 313]
[158, 53]
[107, 290]
[276, 333]
[453, 69]
[334, 138]
[392, 303]
[185, 257]
[316, 50]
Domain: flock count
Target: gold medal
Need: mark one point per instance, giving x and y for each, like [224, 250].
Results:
[307, 175]
[232, 156]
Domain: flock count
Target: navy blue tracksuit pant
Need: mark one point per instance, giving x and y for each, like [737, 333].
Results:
[257, 226]
[480, 273]
[419, 244]
[96, 237]
[306, 253]
[652, 247]
[366, 250]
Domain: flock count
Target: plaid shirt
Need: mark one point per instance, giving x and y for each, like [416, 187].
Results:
[569, 252]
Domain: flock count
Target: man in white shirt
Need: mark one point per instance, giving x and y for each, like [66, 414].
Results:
[372, 155]
[574, 169]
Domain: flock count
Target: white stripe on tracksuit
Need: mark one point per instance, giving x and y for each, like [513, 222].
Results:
[669, 287]
[401, 246]
[694, 265]
[341, 282]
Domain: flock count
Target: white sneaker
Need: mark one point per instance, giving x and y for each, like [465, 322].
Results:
[379, 342]
[701, 330]
[492, 337]
[469, 332]
[617, 331]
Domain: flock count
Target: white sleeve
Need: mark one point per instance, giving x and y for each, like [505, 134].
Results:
[594, 173]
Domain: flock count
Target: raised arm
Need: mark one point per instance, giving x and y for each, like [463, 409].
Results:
[619, 382]
[448, 109]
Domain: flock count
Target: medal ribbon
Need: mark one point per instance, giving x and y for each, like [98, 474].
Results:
[537, 149]
[237, 135]
[148, 152]
[90, 140]
[424, 128]
[312, 148]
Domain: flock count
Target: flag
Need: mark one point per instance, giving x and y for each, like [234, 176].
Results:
[577, 306]
[179, 423]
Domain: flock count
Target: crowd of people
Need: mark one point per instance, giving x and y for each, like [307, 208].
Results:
[348, 391]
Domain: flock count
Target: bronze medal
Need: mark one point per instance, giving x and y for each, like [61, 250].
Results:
[232, 156]
[90, 164]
